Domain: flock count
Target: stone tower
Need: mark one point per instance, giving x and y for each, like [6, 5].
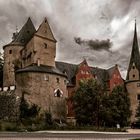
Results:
[44, 39]
[133, 76]
[12, 52]
[38, 79]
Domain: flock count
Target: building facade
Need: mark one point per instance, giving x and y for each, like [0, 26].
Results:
[107, 78]
[30, 66]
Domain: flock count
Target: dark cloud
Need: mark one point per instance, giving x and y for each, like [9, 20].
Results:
[103, 19]
[95, 44]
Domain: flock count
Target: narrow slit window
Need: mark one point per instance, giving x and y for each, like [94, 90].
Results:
[57, 80]
[138, 97]
[10, 51]
[45, 46]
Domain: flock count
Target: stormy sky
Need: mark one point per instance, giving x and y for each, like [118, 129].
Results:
[99, 30]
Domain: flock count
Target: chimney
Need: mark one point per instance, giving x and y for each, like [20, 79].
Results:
[38, 62]
[14, 36]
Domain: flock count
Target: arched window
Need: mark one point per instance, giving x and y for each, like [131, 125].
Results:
[58, 93]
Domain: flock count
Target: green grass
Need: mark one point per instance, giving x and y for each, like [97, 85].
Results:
[11, 126]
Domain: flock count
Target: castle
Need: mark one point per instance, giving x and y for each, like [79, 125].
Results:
[30, 67]
[29, 64]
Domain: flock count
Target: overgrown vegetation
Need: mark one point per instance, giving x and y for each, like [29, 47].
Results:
[94, 107]
[27, 112]
[8, 106]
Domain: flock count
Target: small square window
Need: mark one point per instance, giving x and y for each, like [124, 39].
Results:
[65, 82]
[10, 51]
[138, 97]
[138, 84]
[87, 72]
[46, 78]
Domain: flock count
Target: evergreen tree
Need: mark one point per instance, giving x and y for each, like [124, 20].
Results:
[118, 107]
[27, 111]
[87, 103]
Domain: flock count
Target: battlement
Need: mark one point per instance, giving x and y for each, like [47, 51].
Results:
[11, 88]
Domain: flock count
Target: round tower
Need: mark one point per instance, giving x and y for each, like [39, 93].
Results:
[11, 55]
[12, 52]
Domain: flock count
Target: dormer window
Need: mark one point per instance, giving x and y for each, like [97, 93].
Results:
[133, 75]
[133, 66]
[58, 93]
[28, 31]
[22, 40]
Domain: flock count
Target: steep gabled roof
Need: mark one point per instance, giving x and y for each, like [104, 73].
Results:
[101, 75]
[84, 62]
[45, 31]
[69, 69]
[135, 56]
[111, 70]
[25, 34]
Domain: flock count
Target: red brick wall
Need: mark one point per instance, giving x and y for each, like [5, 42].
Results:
[84, 72]
[115, 79]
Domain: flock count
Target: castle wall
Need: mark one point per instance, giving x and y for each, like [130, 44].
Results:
[39, 49]
[45, 51]
[27, 54]
[11, 58]
[39, 88]
[133, 89]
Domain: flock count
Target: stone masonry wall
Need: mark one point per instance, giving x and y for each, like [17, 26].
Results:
[11, 54]
[39, 89]
[39, 49]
